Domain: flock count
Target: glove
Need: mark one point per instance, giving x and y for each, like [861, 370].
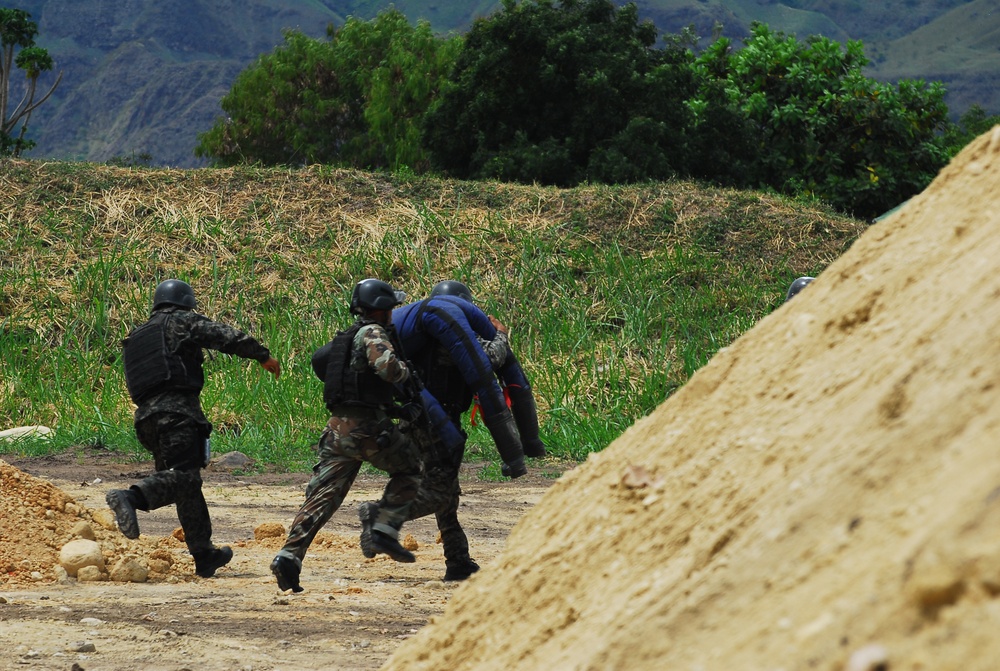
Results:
[514, 469]
[411, 412]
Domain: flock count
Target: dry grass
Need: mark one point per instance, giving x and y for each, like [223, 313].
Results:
[635, 285]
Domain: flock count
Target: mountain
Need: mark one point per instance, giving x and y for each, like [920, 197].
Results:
[145, 77]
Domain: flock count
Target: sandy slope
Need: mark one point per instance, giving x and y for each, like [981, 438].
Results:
[828, 484]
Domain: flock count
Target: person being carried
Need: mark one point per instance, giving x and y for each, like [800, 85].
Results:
[366, 391]
[164, 375]
[461, 353]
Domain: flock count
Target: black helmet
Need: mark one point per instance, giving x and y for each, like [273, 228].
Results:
[452, 288]
[372, 294]
[174, 292]
[797, 286]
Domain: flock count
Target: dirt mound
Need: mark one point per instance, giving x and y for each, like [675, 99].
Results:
[39, 519]
[825, 493]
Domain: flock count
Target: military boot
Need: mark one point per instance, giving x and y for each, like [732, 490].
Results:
[459, 570]
[124, 502]
[207, 562]
[366, 513]
[386, 544]
[287, 570]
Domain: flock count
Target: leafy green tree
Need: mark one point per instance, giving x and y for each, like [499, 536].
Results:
[971, 125]
[355, 99]
[18, 51]
[546, 92]
[822, 128]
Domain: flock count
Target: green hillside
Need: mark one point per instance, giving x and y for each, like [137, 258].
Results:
[614, 295]
[144, 78]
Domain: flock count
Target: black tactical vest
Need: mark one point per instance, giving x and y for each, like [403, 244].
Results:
[151, 368]
[353, 385]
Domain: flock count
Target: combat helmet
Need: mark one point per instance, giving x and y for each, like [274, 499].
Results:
[452, 288]
[373, 294]
[174, 292]
[797, 286]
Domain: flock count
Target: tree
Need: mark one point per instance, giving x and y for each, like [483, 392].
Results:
[18, 50]
[822, 128]
[547, 93]
[356, 99]
[971, 125]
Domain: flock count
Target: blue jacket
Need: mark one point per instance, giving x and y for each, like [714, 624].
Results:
[452, 323]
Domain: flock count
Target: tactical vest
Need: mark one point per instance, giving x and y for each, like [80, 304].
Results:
[151, 368]
[354, 385]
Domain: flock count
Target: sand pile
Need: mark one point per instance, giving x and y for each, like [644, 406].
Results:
[39, 520]
[824, 494]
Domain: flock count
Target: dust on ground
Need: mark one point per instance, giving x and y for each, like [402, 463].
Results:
[353, 613]
[823, 494]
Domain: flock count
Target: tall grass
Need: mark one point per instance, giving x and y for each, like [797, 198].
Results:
[615, 295]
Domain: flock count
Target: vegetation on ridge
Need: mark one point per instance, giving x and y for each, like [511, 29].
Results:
[615, 295]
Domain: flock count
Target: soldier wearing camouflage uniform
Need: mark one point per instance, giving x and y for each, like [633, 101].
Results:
[364, 386]
[163, 372]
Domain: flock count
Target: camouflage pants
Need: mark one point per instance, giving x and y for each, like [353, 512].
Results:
[343, 446]
[439, 495]
[177, 443]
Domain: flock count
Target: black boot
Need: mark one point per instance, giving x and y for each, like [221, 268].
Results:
[123, 502]
[386, 544]
[366, 513]
[459, 570]
[207, 562]
[287, 571]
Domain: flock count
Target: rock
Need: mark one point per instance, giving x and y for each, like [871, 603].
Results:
[410, 543]
[105, 518]
[24, 432]
[158, 566]
[84, 530]
[90, 574]
[269, 530]
[231, 461]
[872, 657]
[81, 646]
[91, 622]
[81, 553]
[129, 570]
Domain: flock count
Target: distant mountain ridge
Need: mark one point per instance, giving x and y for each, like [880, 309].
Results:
[145, 76]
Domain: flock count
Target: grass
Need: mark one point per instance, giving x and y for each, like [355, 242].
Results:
[615, 295]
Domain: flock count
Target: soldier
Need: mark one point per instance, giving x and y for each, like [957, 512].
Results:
[365, 383]
[460, 352]
[163, 372]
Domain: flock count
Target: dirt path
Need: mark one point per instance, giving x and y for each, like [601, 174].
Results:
[353, 613]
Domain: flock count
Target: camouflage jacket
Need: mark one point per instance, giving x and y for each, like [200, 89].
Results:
[496, 349]
[374, 347]
[190, 329]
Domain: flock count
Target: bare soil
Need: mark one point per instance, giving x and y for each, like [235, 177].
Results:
[353, 614]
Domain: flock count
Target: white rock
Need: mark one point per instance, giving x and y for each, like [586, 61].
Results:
[868, 658]
[21, 432]
[80, 553]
